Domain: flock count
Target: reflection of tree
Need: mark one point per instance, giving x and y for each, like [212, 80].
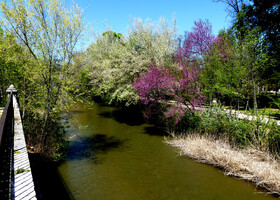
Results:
[91, 147]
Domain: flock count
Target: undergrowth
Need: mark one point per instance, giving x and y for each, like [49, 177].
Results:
[239, 132]
[46, 138]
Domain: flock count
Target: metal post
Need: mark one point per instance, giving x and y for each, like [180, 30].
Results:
[12, 90]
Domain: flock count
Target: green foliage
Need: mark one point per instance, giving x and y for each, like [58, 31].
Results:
[223, 74]
[264, 17]
[255, 38]
[188, 122]
[47, 139]
[234, 67]
[275, 101]
[11, 63]
[218, 123]
[117, 61]
[50, 32]
[46, 34]
[241, 132]
[274, 139]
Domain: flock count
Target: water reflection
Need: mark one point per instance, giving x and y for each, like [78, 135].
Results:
[90, 147]
[124, 116]
[156, 131]
[115, 155]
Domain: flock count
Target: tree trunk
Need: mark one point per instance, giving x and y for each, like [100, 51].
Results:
[246, 105]
[238, 104]
[255, 97]
[230, 108]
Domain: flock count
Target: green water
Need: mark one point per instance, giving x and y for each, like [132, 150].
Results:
[113, 155]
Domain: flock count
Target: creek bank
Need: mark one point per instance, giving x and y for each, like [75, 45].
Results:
[248, 164]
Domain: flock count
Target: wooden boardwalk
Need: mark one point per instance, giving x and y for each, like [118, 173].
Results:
[22, 185]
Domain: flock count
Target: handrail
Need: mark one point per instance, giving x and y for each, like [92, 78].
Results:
[6, 148]
[4, 117]
[13, 154]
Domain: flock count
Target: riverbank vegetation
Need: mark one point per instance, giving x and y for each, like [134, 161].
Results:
[170, 77]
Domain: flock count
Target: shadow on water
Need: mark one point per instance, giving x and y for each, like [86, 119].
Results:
[47, 181]
[91, 147]
[156, 131]
[131, 118]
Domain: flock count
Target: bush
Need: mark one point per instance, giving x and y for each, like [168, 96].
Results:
[48, 139]
[218, 123]
[188, 122]
[240, 132]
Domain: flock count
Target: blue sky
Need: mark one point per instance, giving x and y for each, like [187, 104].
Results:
[117, 13]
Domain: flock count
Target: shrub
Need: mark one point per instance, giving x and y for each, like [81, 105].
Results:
[51, 145]
[188, 122]
[241, 132]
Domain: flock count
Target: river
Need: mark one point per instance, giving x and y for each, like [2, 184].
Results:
[114, 155]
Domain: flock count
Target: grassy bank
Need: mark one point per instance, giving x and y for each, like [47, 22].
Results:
[249, 164]
[247, 149]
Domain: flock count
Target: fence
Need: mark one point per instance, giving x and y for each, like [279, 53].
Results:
[6, 149]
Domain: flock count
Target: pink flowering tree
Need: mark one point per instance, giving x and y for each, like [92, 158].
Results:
[155, 88]
[197, 43]
[175, 91]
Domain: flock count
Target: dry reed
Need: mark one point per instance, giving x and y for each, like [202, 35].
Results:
[249, 164]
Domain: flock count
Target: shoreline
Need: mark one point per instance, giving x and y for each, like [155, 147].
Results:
[248, 164]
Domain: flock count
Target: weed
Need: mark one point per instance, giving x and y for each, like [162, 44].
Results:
[21, 170]
[249, 163]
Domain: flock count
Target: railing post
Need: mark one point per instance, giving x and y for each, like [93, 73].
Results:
[12, 90]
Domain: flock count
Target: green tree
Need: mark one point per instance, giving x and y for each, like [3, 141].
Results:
[233, 68]
[263, 16]
[116, 63]
[222, 75]
[49, 31]
[11, 63]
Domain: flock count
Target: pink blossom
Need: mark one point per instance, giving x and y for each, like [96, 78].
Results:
[177, 91]
[197, 43]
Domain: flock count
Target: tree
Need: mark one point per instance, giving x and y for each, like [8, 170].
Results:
[197, 43]
[263, 16]
[116, 63]
[223, 76]
[112, 35]
[234, 6]
[174, 91]
[11, 63]
[50, 32]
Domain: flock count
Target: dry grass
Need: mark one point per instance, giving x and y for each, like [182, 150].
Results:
[249, 164]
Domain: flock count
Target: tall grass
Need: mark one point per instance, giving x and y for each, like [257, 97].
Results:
[249, 164]
[239, 132]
